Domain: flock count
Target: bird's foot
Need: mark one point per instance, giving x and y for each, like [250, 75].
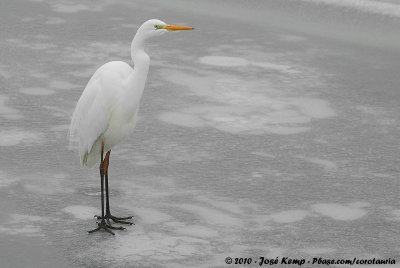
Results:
[109, 217]
[106, 226]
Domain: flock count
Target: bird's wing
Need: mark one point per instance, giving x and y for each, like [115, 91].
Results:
[92, 113]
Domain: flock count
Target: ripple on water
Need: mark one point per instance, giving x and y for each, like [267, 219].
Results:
[339, 212]
[37, 91]
[14, 137]
[223, 61]
[6, 111]
[289, 216]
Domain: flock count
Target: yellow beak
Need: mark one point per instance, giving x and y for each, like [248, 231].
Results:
[177, 28]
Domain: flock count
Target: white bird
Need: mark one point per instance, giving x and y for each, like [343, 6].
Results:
[107, 110]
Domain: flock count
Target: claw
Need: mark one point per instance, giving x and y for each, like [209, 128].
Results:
[108, 216]
[124, 218]
[123, 222]
[117, 228]
[104, 226]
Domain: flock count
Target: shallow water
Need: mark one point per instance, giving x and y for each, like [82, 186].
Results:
[271, 130]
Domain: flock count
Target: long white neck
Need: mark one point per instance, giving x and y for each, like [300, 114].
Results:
[137, 79]
[141, 60]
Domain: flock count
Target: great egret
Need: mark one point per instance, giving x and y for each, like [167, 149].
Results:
[106, 112]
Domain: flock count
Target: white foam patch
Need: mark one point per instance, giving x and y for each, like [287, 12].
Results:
[147, 192]
[224, 61]
[292, 38]
[151, 216]
[182, 119]
[274, 252]
[48, 184]
[212, 216]
[145, 163]
[59, 131]
[276, 67]
[383, 175]
[81, 212]
[22, 225]
[31, 45]
[6, 180]
[37, 74]
[92, 54]
[6, 111]
[369, 6]
[339, 212]
[194, 156]
[70, 7]
[360, 204]
[314, 108]
[313, 251]
[130, 25]
[82, 72]
[256, 175]
[289, 216]
[62, 85]
[325, 164]
[155, 246]
[27, 19]
[264, 154]
[57, 111]
[243, 106]
[61, 176]
[5, 74]
[37, 91]
[54, 21]
[396, 214]
[26, 230]
[14, 137]
[42, 37]
[196, 231]
[21, 218]
[231, 206]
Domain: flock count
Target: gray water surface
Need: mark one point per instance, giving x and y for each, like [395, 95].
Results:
[271, 130]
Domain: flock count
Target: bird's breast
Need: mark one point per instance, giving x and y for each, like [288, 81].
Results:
[119, 128]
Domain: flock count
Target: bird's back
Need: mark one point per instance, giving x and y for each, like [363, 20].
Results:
[95, 107]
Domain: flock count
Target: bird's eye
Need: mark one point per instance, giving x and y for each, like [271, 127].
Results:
[157, 27]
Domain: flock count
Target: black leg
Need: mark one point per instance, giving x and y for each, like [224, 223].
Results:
[102, 184]
[106, 181]
[103, 225]
[108, 215]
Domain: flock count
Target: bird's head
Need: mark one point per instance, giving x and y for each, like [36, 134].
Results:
[156, 27]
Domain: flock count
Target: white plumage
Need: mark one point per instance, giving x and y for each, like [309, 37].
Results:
[107, 109]
[98, 112]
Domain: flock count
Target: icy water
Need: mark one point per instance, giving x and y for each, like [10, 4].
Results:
[271, 130]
